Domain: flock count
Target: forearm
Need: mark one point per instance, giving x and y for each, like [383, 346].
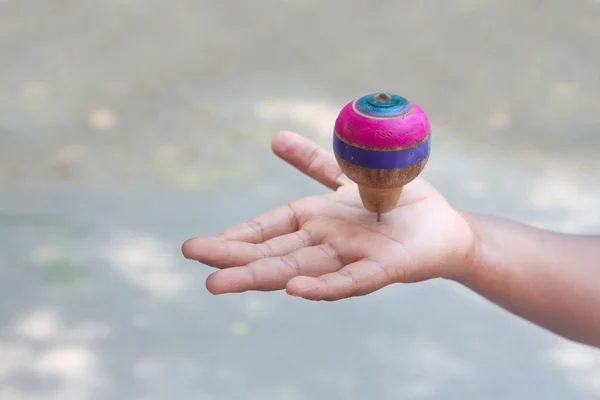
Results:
[548, 278]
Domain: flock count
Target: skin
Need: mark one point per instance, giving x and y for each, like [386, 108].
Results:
[329, 247]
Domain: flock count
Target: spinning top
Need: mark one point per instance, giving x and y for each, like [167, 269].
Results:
[381, 141]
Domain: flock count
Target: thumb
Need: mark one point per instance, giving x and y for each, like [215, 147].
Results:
[308, 157]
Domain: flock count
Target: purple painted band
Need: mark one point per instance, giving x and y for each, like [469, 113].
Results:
[387, 159]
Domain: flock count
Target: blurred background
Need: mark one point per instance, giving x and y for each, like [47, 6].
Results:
[128, 126]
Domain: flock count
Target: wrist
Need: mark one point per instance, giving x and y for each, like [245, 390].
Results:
[471, 260]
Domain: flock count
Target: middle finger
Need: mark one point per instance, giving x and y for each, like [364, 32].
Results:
[273, 273]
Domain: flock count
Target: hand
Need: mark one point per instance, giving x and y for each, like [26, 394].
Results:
[329, 247]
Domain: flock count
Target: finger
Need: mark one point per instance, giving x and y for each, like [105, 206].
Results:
[356, 279]
[276, 222]
[220, 253]
[309, 158]
[274, 273]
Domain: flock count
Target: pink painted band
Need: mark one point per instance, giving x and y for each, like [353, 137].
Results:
[381, 132]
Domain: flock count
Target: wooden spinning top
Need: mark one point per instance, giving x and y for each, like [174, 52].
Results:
[382, 142]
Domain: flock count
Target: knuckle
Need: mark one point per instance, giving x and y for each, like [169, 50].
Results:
[305, 237]
[258, 227]
[292, 262]
[265, 249]
[313, 159]
[294, 215]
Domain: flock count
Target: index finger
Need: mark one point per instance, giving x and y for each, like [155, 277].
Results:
[309, 158]
[273, 223]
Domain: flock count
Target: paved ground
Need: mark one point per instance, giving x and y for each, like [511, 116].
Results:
[127, 126]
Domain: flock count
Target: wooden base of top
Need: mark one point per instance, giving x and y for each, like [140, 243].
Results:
[380, 189]
[379, 200]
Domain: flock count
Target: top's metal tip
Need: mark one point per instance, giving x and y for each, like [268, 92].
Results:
[378, 217]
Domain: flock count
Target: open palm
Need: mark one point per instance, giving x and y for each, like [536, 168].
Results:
[329, 247]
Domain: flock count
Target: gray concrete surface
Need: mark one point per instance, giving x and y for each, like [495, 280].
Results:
[127, 126]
